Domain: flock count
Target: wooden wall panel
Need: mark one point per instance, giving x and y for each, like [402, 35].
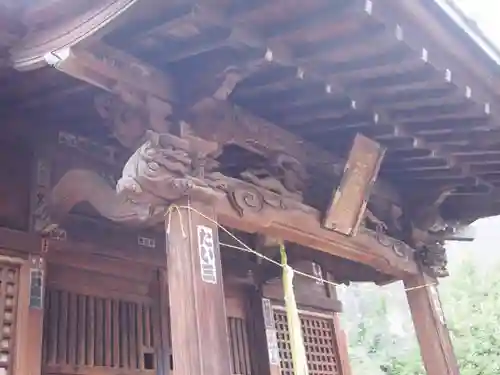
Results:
[84, 331]
[99, 320]
[15, 171]
[237, 327]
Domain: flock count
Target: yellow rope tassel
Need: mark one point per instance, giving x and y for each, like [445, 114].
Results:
[299, 359]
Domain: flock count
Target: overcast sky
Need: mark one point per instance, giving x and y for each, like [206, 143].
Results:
[486, 13]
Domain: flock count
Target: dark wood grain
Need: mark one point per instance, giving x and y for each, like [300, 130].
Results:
[199, 335]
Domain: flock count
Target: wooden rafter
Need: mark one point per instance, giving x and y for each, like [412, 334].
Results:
[112, 70]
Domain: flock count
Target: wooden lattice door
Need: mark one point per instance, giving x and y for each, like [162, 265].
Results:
[98, 323]
[9, 282]
[319, 341]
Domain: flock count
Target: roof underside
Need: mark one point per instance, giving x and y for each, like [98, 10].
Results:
[406, 77]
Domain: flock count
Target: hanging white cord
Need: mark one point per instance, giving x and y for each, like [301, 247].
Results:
[244, 247]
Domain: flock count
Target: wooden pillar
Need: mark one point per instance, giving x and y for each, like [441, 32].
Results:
[433, 336]
[342, 346]
[197, 306]
[29, 322]
[264, 352]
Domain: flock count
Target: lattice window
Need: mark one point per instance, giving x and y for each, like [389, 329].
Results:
[238, 340]
[319, 341]
[88, 331]
[9, 281]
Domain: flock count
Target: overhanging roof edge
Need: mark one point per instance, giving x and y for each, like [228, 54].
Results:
[464, 22]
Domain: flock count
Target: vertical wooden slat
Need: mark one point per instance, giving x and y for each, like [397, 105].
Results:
[54, 325]
[46, 329]
[132, 335]
[82, 325]
[156, 335]
[123, 336]
[231, 345]
[246, 348]
[140, 334]
[147, 327]
[99, 332]
[161, 314]
[116, 334]
[256, 326]
[240, 357]
[108, 339]
[63, 330]
[91, 331]
[72, 328]
[241, 345]
[235, 344]
[3, 293]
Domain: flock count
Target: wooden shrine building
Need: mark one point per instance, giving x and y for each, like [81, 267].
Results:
[148, 145]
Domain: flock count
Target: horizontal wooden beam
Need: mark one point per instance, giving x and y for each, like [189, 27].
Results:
[304, 228]
[22, 244]
[112, 70]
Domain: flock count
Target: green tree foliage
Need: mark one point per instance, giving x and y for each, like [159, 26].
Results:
[471, 302]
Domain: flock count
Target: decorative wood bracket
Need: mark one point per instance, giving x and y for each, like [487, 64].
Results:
[167, 168]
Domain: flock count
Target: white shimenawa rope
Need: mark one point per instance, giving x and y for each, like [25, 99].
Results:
[244, 247]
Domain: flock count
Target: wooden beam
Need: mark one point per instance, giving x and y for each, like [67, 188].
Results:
[224, 123]
[370, 11]
[303, 226]
[113, 70]
[199, 334]
[433, 336]
[349, 200]
[74, 26]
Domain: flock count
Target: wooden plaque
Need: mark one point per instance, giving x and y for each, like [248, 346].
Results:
[349, 201]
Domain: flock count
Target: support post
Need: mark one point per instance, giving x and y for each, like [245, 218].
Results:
[428, 318]
[29, 330]
[197, 306]
[264, 354]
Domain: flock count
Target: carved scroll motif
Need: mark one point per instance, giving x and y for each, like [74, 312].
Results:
[399, 248]
[166, 168]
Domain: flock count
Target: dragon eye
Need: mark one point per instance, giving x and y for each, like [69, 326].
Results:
[154, 166]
